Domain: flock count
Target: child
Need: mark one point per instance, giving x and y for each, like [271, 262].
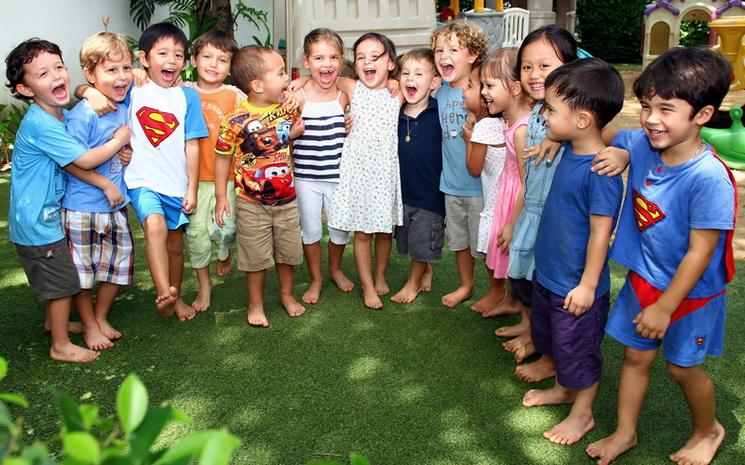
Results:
[166, 122]
[542, 51]
[503, 93]
[35, 71]
[97, 232]
[316, 156]
[458, 47]
[257, 136]
[211, 55]
[674, 236]
[420, 157]
[571, 289]
[368, 199]
[485, 154]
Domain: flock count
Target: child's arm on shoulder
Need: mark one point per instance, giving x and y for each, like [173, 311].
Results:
[652, 322]
[97, 155]
[580, 299]
[475, 152]
[504, 238]
[98, 101]
[189, 204]
[547, 149]
[611, 161]
[112, 193]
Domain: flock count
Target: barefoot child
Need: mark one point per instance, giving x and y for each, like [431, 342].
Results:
[571, 287]
[458, 47]
[35, 71]
[98, 231]
[420, 157]
[674, 236]
[542, 51]
[501, 88]
[162, 178]
[211, 55]
[256, 136]
[316, 156]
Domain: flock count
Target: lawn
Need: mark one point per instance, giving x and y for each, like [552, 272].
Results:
[410, 385]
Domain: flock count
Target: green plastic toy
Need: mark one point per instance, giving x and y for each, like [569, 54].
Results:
[729, 143]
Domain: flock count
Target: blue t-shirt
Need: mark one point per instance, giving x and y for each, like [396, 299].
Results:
[91, 131]
[663, 203]
[420, 159]
[37, 181]
[455, 179]
[564, 230]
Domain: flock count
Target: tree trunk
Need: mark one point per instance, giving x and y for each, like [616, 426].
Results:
[220, 9]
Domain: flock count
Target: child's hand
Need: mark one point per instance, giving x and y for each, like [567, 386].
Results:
[394, 87]
[113, 194]
[610, 161]
[121, 135]
[467, 127]
[291, 102]
[189, 205]
[222, 207]
[297, 129]
[546, 149]
[125, 154]
[140, 77]
[579, 300]
[652, 322]
[297, 84]
[98, 101]
[504, 239]
[348, 123]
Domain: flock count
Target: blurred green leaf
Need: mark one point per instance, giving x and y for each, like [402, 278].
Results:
[131, 403]
[81, 446]
[147, 433]
[14, 399]
[71, 418]
[3, 363]
[219, 448]
[357, 459]
[186, 447]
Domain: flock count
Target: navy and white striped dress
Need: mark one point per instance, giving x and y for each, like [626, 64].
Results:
[316, 154]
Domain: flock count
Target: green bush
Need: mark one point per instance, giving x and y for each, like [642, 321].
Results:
[694, 32]
[611, 29]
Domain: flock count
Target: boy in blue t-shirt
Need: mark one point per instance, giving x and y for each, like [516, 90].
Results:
[571, 286]
[675, 237]
[35, 71]
[97, 229]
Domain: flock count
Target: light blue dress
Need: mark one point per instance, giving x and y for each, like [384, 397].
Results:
[537, 184]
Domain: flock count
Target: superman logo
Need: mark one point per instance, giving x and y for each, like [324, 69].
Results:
[647, 212]
[156, 124]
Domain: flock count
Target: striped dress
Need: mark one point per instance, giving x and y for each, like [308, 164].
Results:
[317, 152]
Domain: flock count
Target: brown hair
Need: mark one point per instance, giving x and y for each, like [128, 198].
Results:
[501, 65]
[218, 39]
[319, 34]
[425, 55]
[24, 54]
[103, 46]
[248, 64]
[469, 35]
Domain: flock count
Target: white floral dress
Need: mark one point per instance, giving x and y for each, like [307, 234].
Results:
[368, 198]
[490, 132]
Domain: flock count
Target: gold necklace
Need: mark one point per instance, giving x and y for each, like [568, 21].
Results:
[408, 136]
[699, 149]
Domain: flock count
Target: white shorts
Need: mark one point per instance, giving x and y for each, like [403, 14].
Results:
[313, 199]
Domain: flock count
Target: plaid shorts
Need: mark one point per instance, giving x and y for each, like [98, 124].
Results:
[101, 246]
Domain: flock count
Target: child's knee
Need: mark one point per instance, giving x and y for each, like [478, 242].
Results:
[639, 358]
[681, 373]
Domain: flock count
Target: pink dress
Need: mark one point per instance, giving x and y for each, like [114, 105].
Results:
[510, 185]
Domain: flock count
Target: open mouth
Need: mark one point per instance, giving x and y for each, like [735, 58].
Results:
[369, 73]
[168, 74]
[60, 91]
[446, 68]
[411, 91]
[327, 77]
[656, 132]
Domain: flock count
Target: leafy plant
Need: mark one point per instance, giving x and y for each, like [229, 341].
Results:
[694, 32]
[88, 439]
[10, 118]
[616, 36]
[259, 18]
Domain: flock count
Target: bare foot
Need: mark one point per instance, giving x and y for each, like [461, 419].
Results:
[72, 353]
[313, 292]
[506, 306]
[514, 344]
[224, 267]
[381, 286]
[204, 296]
[95, 339]
[490, 300]
[256, 316]
[183, 311]
[610, 448]
[541, 369]
[427, 279]
[165, 302]
[371, 298]
[407, 294]
[73, 327]
[292, 306]
[342, 282]
[108, 330]
[570, 430]
[457, 296]
[552, 396]
[524, 352]
[700, 448]
[515, 330]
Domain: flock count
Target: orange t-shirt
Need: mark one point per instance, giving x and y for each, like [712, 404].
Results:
[215, 105]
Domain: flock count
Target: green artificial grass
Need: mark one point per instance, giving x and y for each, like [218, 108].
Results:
[409, 385]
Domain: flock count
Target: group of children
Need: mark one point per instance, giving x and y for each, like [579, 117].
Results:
[242, 166]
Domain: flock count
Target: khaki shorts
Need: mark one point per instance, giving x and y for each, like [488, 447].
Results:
[266, 235]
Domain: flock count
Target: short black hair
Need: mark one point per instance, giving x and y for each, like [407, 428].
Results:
[589, 84]
[23, 54]
[698, 75]
[388, 47]
[561, 40]
[160, 31]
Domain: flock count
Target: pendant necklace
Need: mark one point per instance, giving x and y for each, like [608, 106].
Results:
[408, 137]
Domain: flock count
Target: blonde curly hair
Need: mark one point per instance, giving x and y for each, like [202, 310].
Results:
[469, 35]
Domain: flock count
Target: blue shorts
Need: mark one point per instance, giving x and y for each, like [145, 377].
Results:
[688, 340]
[147, 202]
